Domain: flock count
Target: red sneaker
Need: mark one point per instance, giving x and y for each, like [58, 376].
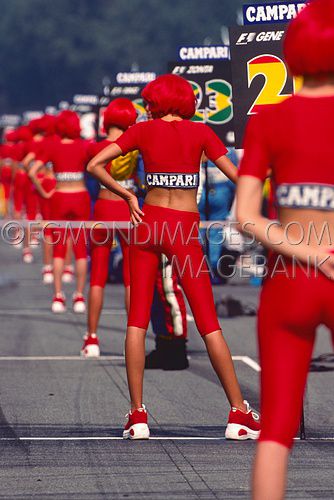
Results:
[136, 426]
[90, 348]
[243, 425]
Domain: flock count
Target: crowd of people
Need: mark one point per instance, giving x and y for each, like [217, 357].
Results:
[47, 160]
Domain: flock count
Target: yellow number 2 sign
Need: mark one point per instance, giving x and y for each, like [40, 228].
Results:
[275, 74]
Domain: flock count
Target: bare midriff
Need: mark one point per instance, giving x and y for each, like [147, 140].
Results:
[177, 199]
[71, 186]
[312, 227]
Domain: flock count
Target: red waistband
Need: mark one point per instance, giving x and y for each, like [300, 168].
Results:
[158, 211]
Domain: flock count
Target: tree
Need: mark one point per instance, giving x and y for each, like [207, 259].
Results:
[53, 49]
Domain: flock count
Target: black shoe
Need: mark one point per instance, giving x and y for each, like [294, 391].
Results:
[168, 355]
[153, 360]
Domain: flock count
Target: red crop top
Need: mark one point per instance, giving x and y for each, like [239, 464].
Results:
[172, 147]
[7, 152]
[281, 138]
[65, 157]
[95, 147]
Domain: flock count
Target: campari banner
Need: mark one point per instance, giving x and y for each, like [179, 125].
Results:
[260, 75]
[130, 85]
[211, 82]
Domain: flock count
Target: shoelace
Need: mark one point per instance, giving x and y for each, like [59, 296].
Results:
[254, 414]
[142, 408]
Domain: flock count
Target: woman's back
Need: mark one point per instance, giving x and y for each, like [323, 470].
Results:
[295, 140]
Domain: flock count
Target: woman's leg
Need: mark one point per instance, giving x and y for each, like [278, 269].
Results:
[135, 364]
[126, 267]
[58, 267]
[189, 263]
[79, 207]
[286, 337]
[81, 273]
[222, 363]
[101, 244]
[270, 471]
[143, 270]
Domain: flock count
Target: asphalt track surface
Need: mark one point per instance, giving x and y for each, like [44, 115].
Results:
[61, 416]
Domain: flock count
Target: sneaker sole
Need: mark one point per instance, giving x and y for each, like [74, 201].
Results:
[90, 351]
[79, 309]
[48, 281]
[66, 279]
[137, 431]
[57, 310]
[240, 432]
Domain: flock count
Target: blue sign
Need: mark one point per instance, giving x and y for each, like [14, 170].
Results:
[276, 12]
[205, 52]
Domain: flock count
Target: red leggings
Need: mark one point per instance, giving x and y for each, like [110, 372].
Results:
[73, 206]
[48, 184]
[175, 234]
[6, 180]
[292, 306]
[102, 240]
[25, 195]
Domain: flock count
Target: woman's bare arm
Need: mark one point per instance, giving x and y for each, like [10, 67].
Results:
[96, 167]
[37, 165]
[227, 167]
[27, 160]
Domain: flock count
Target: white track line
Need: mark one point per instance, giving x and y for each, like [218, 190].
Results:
[245, 359]
[248, 361]
[60, 358]
[47, 312]
[153, 438]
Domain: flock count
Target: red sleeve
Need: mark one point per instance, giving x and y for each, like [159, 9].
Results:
[214, 148]
[21, 151]
[256, 158]
[44, 153]
[130, 140]
[91, 150]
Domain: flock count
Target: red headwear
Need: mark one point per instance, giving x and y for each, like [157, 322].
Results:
[309, 41]
[68, 124]
[120, 113]
[36, 126]
[48, 122]
[170, 94]
[24, 133]
[11, 136]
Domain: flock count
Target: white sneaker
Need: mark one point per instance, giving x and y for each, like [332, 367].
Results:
[47, 274]
[58, 303]
[34, 242]
[90, 348]
[68, 275]
[27, 256]
[79, 304]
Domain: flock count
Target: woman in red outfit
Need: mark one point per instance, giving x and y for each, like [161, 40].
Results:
[23, 136]
[281, 138]
[7, 160]
[118, 116]
[45, 188]
[70, 202]
[172, 147]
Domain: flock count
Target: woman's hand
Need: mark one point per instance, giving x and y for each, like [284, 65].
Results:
[48, 194]
[325, 263]
[135, 213]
